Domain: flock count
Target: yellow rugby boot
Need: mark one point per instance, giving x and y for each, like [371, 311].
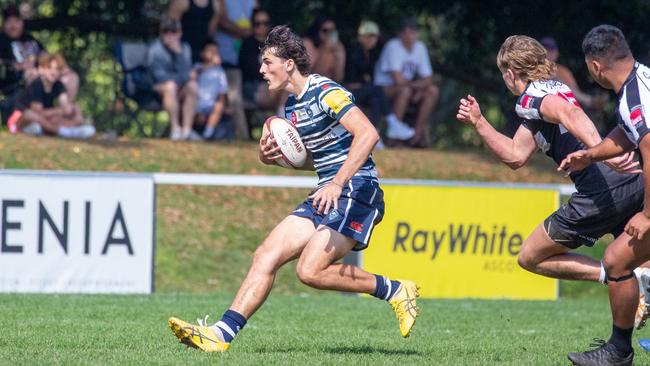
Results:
[405, 306]
[197, 336]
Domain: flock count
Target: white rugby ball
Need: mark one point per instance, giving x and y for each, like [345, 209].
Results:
[286, 136]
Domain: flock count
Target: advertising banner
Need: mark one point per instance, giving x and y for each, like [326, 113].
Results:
[76, 233]
[461, 242]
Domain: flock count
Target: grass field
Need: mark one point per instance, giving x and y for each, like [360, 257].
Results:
[205, 238]
[307, 329]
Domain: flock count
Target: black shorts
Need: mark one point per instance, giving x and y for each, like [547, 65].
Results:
[586, 218]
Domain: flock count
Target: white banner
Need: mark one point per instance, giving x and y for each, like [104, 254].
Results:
[76, 233]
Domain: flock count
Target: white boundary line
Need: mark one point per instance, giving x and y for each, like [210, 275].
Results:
[283, 181]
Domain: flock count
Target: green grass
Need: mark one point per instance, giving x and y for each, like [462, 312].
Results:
[307, 329]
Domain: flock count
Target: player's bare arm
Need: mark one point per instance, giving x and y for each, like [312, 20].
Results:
[615, 144]
[555, 109]
[514, 152]
[364, 139]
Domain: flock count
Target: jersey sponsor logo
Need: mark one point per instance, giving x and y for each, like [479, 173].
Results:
[294, 119]
[337, 100]
[325, 86]
[636, 115]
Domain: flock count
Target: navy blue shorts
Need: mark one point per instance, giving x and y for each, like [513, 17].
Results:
[361, 207]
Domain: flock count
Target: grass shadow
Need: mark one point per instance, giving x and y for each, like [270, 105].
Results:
[367, 350]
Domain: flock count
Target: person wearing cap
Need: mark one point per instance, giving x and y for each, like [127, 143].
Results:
[359, 79]
[169, 62]
[564, 75]
[404, 71]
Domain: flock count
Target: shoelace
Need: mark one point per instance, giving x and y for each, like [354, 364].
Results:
[597, 343]
[409, 308]
[204, 322]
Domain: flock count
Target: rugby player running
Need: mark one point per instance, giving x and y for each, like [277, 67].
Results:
[338, 216]
[554, 122]
[612, 65]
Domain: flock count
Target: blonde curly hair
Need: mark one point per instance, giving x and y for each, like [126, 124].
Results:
[526, 57]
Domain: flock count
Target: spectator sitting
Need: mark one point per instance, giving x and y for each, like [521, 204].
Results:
[359, 73]
[19, 51]
[404, 70]
[35, 106]
[213, 88]
[326, 52]
[564, 75]
[234, 25]
[199, 20]
[169, 62]
[255, 89]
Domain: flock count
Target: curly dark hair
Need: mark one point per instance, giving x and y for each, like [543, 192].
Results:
[606, 42]
[282, 42]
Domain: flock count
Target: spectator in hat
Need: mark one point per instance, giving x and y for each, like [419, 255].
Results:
[565, 75]
[169, 61]
[404, 71]
[359, 80]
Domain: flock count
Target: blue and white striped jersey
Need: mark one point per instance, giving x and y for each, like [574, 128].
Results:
[634, 103]
[316, 113]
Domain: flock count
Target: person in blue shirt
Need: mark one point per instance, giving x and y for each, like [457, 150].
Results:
[213, 88]
[337, 217]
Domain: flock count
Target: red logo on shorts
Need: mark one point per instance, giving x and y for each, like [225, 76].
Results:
[356, 226]
[294, 119]
[636, 116]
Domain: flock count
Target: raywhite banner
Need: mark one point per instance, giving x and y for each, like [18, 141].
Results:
[76, 232]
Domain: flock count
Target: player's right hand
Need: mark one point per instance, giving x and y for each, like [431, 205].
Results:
[269, 149]
[575, 161]
[469, 111]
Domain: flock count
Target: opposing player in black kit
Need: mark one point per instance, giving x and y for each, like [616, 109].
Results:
[554, 122]
[612, 65]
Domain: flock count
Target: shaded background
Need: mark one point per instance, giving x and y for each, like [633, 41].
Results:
[463, 38]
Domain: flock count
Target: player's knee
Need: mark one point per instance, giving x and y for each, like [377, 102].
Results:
[307, 275]
[527, 261]
[265, 261]
[614, 266]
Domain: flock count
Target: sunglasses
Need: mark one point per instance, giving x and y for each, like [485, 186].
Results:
[264, 23]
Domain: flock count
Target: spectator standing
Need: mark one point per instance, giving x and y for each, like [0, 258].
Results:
[234, 26]
[199, 20]
[564, 75]
[169, 61]
[213, 87]
[359, 80]
[255, 88]
[45, 106]
[404, 71]
[325, 49]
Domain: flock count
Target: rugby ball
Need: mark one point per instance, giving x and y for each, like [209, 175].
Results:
[286, 136]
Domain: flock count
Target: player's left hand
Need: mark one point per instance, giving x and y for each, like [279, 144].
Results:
[638, 226]
[327, 197]
[624, 164]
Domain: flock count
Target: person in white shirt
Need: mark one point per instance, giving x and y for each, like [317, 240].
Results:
[404, 70]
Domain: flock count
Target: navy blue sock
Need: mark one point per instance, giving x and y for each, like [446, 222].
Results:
[622, 339]
[230, 324]
[386, 288]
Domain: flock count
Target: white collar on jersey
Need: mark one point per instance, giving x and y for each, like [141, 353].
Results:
[305, 88]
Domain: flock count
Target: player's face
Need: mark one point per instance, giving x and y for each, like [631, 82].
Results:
[274, 70]
[509, 80]
[596, 71]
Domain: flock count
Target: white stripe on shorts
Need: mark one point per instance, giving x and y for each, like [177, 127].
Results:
[372, 224]
[347, 209]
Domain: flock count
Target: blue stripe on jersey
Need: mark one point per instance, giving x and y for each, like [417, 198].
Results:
[316, 113]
